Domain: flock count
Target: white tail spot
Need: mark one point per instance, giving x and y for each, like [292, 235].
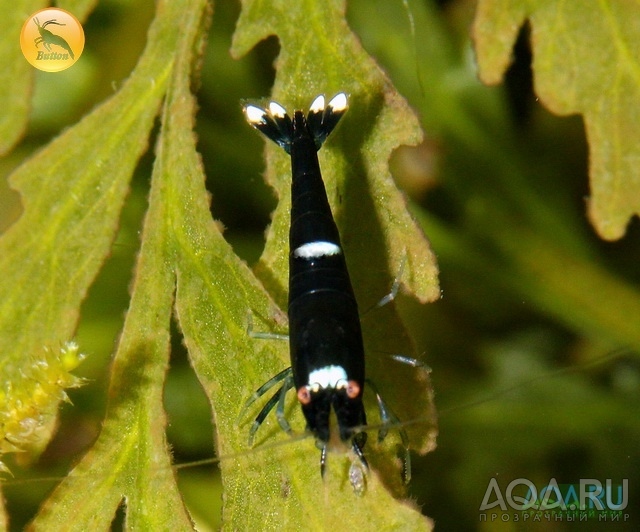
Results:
[277, 110]
[318, 105]
[339, 102]
[254, 114]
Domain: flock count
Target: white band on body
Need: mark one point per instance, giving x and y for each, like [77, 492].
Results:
[315, 250]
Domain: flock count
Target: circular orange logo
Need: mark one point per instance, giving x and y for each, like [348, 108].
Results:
[52, 39]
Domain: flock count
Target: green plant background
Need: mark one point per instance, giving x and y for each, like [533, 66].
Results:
[533, 345]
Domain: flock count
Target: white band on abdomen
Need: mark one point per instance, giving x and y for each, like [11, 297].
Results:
[315, 250]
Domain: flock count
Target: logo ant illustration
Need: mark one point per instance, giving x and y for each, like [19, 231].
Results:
[47, 38]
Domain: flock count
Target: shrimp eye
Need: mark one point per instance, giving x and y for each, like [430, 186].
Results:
[304, 396]
[353, 389]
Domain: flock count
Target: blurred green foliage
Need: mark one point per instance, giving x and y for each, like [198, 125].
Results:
[534, 364]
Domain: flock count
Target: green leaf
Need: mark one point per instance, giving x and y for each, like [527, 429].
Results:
[71, 211]
[72, 193]
[585, 61]
[16, 74]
